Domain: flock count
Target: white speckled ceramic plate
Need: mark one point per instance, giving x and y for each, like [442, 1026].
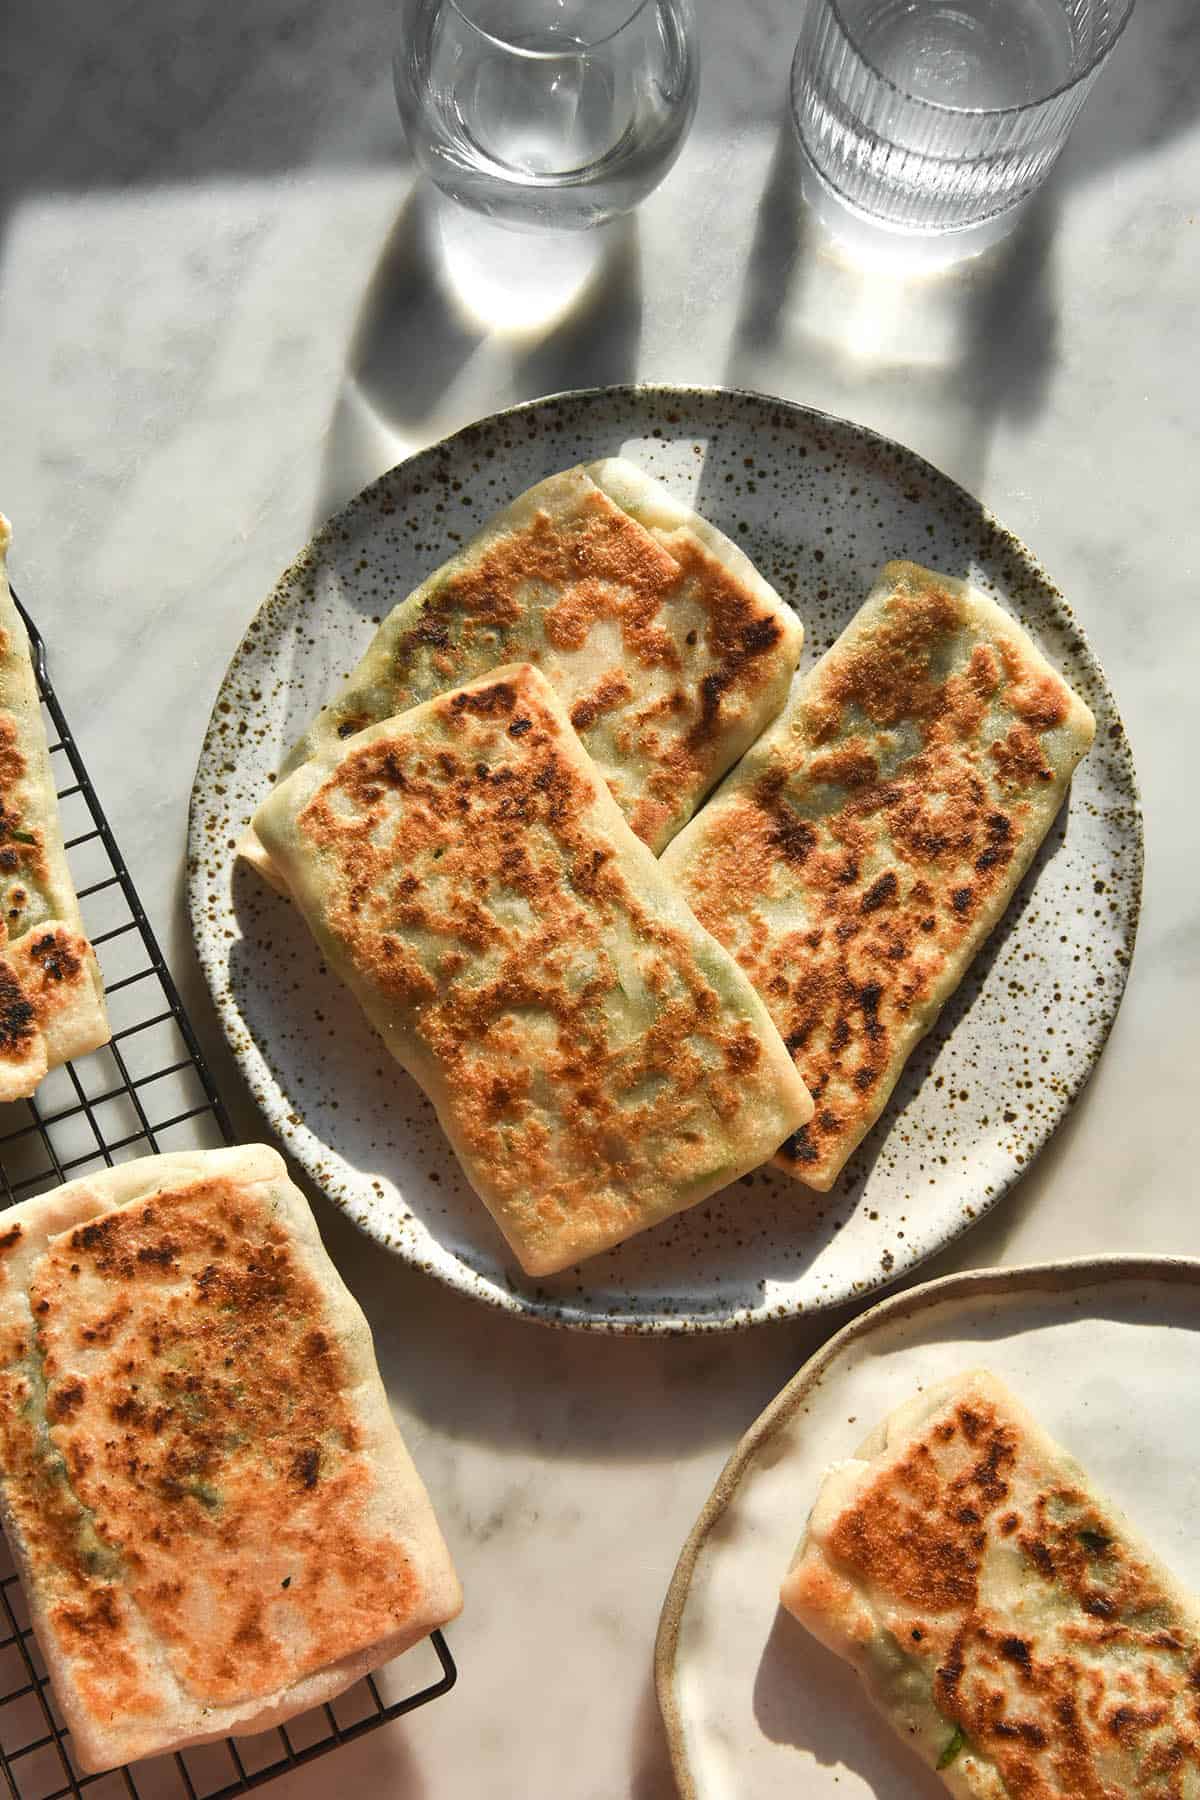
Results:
[1102, 1351]
[819, 504]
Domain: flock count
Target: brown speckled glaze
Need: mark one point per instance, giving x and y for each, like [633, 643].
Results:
[819, 504]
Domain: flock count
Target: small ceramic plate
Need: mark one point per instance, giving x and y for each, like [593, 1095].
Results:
[1104, 1354]
[819, 504]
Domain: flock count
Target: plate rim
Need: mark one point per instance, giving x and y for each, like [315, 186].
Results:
[1062, 1276]
[551, 1310]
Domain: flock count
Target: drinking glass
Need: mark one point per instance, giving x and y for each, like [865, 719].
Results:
[547, 112]
[941, 117]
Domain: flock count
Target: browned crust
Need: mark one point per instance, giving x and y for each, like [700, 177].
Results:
[1089, 1686]
[702, 657]
[598, 561]
[1050, 1279]
[212, 1445]
[49, 981]
[194, 1443]
[895, 808]
[39, 971]
[724, 668]
[592, 1053]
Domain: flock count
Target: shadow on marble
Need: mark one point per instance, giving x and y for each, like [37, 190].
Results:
[596, 344]
[806, 1696]
[410, 340]
[651, 1777]
[112, 96]
[1147, 96]
[460, 314]
[179, 949]
[476, 1375]
[953, 353]
[179, 92]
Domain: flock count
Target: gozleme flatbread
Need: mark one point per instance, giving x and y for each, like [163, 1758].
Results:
[214, 1517]
[1000, 1612]
[667, 647]
[596, 1059]
[51, 995]
[861, 852]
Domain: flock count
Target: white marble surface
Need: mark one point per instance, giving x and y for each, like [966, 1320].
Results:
[220, 313]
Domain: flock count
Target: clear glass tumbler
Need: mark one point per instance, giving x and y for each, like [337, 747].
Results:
[942, 116]
[547, 112]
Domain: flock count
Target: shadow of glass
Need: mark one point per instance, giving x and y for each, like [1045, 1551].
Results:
[409, 342]
[806, 1696]
[112, 97]
[410, 338]
[463, 316]
[596, 343]
[934, 359]
[1145, 97]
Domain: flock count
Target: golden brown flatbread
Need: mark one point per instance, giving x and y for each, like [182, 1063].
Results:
[861, 852]
[51, 994]
[214, 1517]
[1002, 1615]
[596, 1059]
[665, 644]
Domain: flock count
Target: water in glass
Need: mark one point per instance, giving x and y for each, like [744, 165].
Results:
[547, 112]
[977, 53]
[937, 115]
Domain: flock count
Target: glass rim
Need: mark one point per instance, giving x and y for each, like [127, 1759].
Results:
[506, 44]
[977, 112]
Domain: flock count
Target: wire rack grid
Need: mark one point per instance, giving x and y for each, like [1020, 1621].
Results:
[147, 1090]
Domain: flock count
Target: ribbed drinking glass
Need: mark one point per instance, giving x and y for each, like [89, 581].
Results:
[937, 116]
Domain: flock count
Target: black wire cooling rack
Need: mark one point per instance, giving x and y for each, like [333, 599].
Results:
[148, 1089]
